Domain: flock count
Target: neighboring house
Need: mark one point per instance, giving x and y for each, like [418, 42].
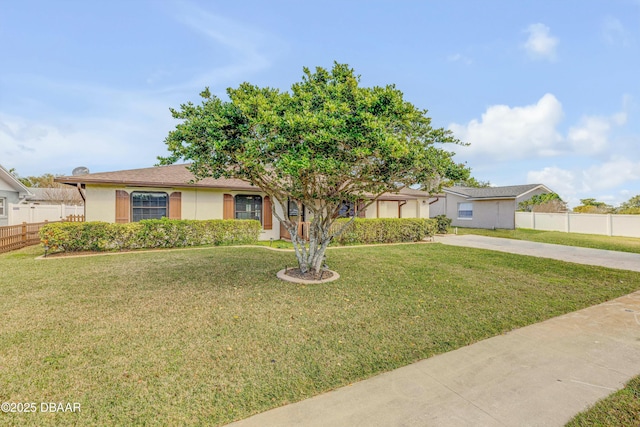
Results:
[55, 196]
[488, 207]
[11, 191]
[170, 191]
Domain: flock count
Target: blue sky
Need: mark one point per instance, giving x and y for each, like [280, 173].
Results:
[544, 91]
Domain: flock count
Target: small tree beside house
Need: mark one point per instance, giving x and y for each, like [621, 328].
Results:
[328, 145]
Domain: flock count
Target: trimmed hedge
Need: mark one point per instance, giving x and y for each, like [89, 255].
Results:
[151, 233]
[385, 230]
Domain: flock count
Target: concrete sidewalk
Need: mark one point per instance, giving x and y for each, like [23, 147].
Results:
[539, 375]
[611, 259]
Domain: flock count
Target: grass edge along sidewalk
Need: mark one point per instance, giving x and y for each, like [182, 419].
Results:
[198, 337]
[621, 408]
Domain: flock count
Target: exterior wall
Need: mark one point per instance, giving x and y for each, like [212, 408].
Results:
[418, 208]
[387, 209]
[603, 224]
[423, 208]
[197, 203]
[9, 197]
[486, 213]
[410, 209]
[451, 211]
[437, 206]
[371, 211]
[8, 188]
[100, 204]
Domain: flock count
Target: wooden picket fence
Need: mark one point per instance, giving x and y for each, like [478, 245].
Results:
[14, 237]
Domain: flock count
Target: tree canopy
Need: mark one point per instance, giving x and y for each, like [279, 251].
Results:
[548, 202]
[41, 181]
[591, 205]
[630, 207]
[327, 142]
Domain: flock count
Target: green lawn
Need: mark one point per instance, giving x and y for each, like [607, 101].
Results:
[620, 409]
[612, 243]
[209, 336]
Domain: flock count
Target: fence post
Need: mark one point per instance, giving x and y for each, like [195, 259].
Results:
[609, 225]
[533, 219]
[24, 233]
[568, 223]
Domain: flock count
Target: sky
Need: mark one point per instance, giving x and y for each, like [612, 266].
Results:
[543, 91]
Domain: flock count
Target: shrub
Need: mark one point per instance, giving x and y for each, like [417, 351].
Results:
[152, 233]
[385, 230]
[443, 224]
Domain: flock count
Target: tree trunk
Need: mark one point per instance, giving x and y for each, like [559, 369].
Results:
[310, 255]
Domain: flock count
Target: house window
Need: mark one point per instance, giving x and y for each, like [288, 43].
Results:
[347, 210]
[3, 210]
[293, 211]
[149, 205]
[293, 208]
[248, 207]
[465, 210]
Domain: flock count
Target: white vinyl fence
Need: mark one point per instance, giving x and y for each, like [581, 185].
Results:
[19, 213]
[606, 224]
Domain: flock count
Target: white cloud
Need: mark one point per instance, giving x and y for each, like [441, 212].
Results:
[596, 181]
[511, 133]
[514, 132]
[611, 174]
[540, 44]
[33, 148]
[591, 136]
[614, 32]
[561, 181]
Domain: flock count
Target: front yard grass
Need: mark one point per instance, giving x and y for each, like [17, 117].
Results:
[611, 243]
[208, 336]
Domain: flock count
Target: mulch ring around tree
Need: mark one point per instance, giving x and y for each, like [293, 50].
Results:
[296, 276]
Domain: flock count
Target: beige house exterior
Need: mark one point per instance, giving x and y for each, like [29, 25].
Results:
[171, 191]
[490, 207]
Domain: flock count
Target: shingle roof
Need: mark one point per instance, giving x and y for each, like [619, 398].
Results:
[179, 176]
[157, 176]
[507, 192]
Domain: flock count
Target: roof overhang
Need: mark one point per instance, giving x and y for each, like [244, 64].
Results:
[536, 188]
[7, 176]
[491, 198]
[78, 180]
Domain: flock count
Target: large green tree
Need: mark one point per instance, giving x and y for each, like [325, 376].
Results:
[327, 142]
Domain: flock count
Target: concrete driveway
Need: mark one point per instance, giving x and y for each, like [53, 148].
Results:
[611, 259]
